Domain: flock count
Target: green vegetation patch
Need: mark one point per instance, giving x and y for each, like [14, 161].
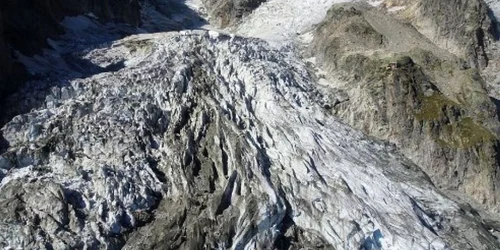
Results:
[466, 134]
[434, 107]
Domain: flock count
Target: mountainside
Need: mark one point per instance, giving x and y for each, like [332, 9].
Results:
[402, 87]
[27, 24]
[313, 124]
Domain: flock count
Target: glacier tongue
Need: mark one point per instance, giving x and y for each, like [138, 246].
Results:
[212, 141]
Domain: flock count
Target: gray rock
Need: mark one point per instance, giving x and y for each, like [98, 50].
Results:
[199, 140]
[460, 26]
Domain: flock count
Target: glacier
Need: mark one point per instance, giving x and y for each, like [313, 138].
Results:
[224, 140]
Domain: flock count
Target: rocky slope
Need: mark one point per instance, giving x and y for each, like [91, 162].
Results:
[462, 27]
[228, 12]
[199, 140]
[394, 83]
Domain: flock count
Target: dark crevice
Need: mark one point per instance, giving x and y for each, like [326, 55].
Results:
[196, 166]
[421, 214]
[320, 122]
[188, 158]
[355, 230]
[496, 171]
[263, 158]
[312, 165]
[226, 196]
[211, 185]
[293, 237]
[231, 234]
[153, 164]
[183, 119]
[497, 106]
[347, 186]
[282, 241]
[225, 160]
[216, 173]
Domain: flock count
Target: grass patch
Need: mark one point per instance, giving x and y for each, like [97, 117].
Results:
[465, 134]
[433, 107]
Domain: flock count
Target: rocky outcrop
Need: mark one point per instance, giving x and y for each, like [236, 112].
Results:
[206, 141]
[228, 12]
[403, 88]
[462, 27]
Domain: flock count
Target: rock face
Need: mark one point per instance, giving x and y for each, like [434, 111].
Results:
[227, 140]
[228, 12]
[393, 83]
